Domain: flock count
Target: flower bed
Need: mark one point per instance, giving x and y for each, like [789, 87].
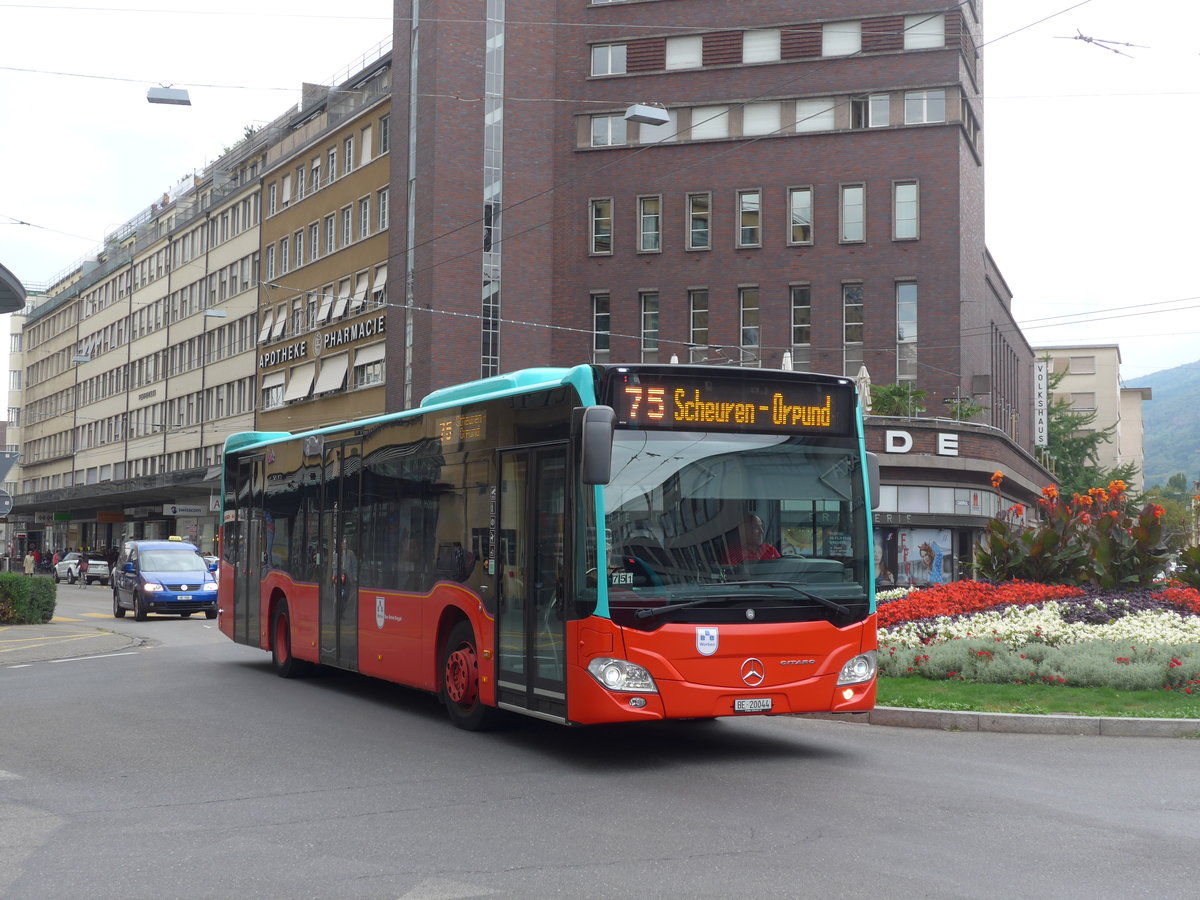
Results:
[1020, 632]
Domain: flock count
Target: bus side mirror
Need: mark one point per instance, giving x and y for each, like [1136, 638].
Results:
[873, 479]
[595, 426]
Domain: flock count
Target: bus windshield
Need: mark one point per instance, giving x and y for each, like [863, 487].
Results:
[706, 527]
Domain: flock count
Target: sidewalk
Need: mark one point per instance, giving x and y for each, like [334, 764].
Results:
[58, 639]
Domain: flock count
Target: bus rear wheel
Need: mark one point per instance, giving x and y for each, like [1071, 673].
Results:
[286, 665]
[460, 681]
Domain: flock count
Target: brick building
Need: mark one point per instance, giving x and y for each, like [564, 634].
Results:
[815, 192]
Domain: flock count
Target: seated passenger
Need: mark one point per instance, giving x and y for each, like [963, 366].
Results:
[751, 546]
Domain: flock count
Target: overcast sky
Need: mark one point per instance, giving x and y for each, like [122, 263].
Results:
[1091, 154]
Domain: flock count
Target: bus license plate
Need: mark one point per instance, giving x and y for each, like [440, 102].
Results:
[752, 704]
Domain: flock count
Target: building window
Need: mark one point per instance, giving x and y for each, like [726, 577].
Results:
[601, 227]
[800, 224]
[270, 261]
[814, 115]
[314, 241]
[381, 204]
[905, 211]
[298, 241]
[347, 226]
[870, 111]
[1083, 402]
[368, 366]
[841, 38]
[608, 131]
[710, 122]
[315, 184]
[385, 133]
[801, 325]
[271, 198]
[760, 46]
[685, 52]
[698, 325]
[284, 258]
[760, 118]
[852, 328]
[348, 155]
[366, 145]
[608, 59]
[332, 167]
[906, 331]
[749, 219]
[272, 390]
[853, 226]
[1082, 365]
[649, 224]
[601, 325]
[330, 235]
[924, 32]
[364, 217]
[649, 305]
[699, 221]
[921, 107]
[660, 134]
[748, 305]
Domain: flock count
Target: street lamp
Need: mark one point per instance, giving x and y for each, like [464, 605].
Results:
[168, 96]
[645, 114]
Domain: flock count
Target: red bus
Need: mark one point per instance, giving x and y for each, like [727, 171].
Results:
[604, 543]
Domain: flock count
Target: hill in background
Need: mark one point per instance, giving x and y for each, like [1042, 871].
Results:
[1171, 423]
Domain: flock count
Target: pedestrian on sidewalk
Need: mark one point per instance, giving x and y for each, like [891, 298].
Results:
[30, 563]
[83, 567]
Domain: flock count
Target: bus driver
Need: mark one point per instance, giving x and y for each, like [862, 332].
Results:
[751, 546]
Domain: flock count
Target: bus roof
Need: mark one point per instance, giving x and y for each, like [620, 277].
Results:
[519, 382]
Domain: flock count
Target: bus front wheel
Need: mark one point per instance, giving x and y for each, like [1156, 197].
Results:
[460, 681]
[286, 665]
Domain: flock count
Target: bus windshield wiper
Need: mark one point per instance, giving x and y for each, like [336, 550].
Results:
[713, 598]
[824, 601]
[654, 611]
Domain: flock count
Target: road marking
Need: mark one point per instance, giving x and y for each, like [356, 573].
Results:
[64, 619]
[98, 656]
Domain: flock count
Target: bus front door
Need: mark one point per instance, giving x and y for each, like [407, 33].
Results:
[530, 632]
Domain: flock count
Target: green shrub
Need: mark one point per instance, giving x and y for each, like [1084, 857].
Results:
[1088, 664]
[1190, 558]
[25, 600]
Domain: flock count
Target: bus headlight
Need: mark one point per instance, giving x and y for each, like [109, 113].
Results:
[859, 669]
[621, 675]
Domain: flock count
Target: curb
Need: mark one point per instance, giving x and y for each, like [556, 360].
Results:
[1018, 723]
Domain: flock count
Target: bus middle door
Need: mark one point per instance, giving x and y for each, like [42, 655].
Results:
[530, 631]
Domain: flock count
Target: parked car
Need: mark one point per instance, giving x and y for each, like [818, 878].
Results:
[168, 577]
[68, 568]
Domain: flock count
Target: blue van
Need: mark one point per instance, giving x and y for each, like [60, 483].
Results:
[169, 577]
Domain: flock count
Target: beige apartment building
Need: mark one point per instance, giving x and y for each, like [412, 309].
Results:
[201, 317]
[1092, 383]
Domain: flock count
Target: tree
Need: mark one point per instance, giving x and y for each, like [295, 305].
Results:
[1176, 500]
[900, 399]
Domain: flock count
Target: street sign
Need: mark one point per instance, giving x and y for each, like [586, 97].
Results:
[6, 503]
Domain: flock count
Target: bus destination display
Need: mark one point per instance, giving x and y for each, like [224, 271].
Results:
[727, 404]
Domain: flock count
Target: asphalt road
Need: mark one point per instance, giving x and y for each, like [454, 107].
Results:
[185, 768]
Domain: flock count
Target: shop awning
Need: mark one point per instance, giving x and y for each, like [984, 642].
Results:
[300, 382]
[333, 373]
